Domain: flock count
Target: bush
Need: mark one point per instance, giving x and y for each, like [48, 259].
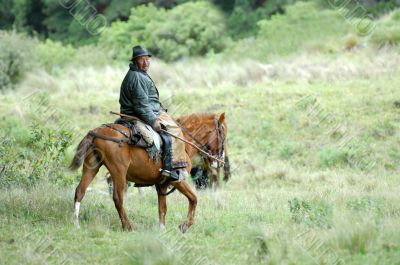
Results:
[330, 157]
[242, 22]
[121, 36]
[15, 57]
[91, 55]
[190, 29]
[40, 160]
[53, 54]
[387, 32]
[289, 149]
[303, 24]
[366, 205]
[312, 213]
[377, 8]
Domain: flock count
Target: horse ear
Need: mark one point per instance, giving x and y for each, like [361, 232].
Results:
[222, 117]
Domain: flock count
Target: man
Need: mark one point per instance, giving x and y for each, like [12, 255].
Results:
[139, 97]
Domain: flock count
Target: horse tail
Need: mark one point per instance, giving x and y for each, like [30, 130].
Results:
[81, 152]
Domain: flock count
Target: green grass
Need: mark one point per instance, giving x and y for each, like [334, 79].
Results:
[233, 226]
[294, 184]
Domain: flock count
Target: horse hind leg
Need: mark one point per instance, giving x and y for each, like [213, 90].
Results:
[118, 174]
[186, 190]
[91, 166]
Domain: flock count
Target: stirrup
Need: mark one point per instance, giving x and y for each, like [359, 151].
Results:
[169, 175]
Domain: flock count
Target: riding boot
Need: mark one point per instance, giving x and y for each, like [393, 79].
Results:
[174, 175]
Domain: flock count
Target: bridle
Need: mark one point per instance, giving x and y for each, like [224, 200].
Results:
[220, 138]
[206, 146]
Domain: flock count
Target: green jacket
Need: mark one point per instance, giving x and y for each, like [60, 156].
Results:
[139, 96]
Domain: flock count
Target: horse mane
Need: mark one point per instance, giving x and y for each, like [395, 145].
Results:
[200, 115]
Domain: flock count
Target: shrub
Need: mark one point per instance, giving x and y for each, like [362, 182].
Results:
[40, 160]
[303, 24]
[366, 205]
[121, 36]
[329, 157]
[242, 22]
[377, 8]
[91, 55]
[53, 54]
[312, 213]
[190, 29]
[289, 149]
[15, 57]
[387, 32]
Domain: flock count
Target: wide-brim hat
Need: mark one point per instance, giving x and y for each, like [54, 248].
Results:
[139, 51]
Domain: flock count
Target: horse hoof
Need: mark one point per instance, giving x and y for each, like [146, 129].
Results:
[128, 227]
[75, 221]
[183, 227]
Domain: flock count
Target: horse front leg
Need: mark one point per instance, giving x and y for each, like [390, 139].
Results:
[214, 177]
[162, 206]
[186, 190]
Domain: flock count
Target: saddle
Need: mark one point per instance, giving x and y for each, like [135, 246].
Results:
[141, 134]
[158, 145]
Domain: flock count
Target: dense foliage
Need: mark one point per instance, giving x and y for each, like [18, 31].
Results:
[388, 33]
[177, 30]
[14, 51]
[22, 166]
[201, 30]
[66, 21]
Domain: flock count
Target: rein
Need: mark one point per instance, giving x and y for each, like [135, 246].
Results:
[107, 138]
[220, 133]
[202, 146]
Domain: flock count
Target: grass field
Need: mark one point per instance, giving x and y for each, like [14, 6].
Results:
[314, 142]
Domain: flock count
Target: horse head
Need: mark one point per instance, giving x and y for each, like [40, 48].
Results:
[206, 130]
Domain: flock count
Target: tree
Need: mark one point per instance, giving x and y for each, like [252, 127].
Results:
[189, 29]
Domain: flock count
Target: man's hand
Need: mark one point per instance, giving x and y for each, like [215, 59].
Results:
[156, 126]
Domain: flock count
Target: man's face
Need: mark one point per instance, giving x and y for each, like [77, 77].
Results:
[143, 63]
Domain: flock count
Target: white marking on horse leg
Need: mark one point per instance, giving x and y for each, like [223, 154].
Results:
[162, 227]
[76, 214]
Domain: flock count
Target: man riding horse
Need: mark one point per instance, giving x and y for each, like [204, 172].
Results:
[139, 97]
[111, 145]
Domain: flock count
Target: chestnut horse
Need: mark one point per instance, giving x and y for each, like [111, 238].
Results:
[126, 162]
